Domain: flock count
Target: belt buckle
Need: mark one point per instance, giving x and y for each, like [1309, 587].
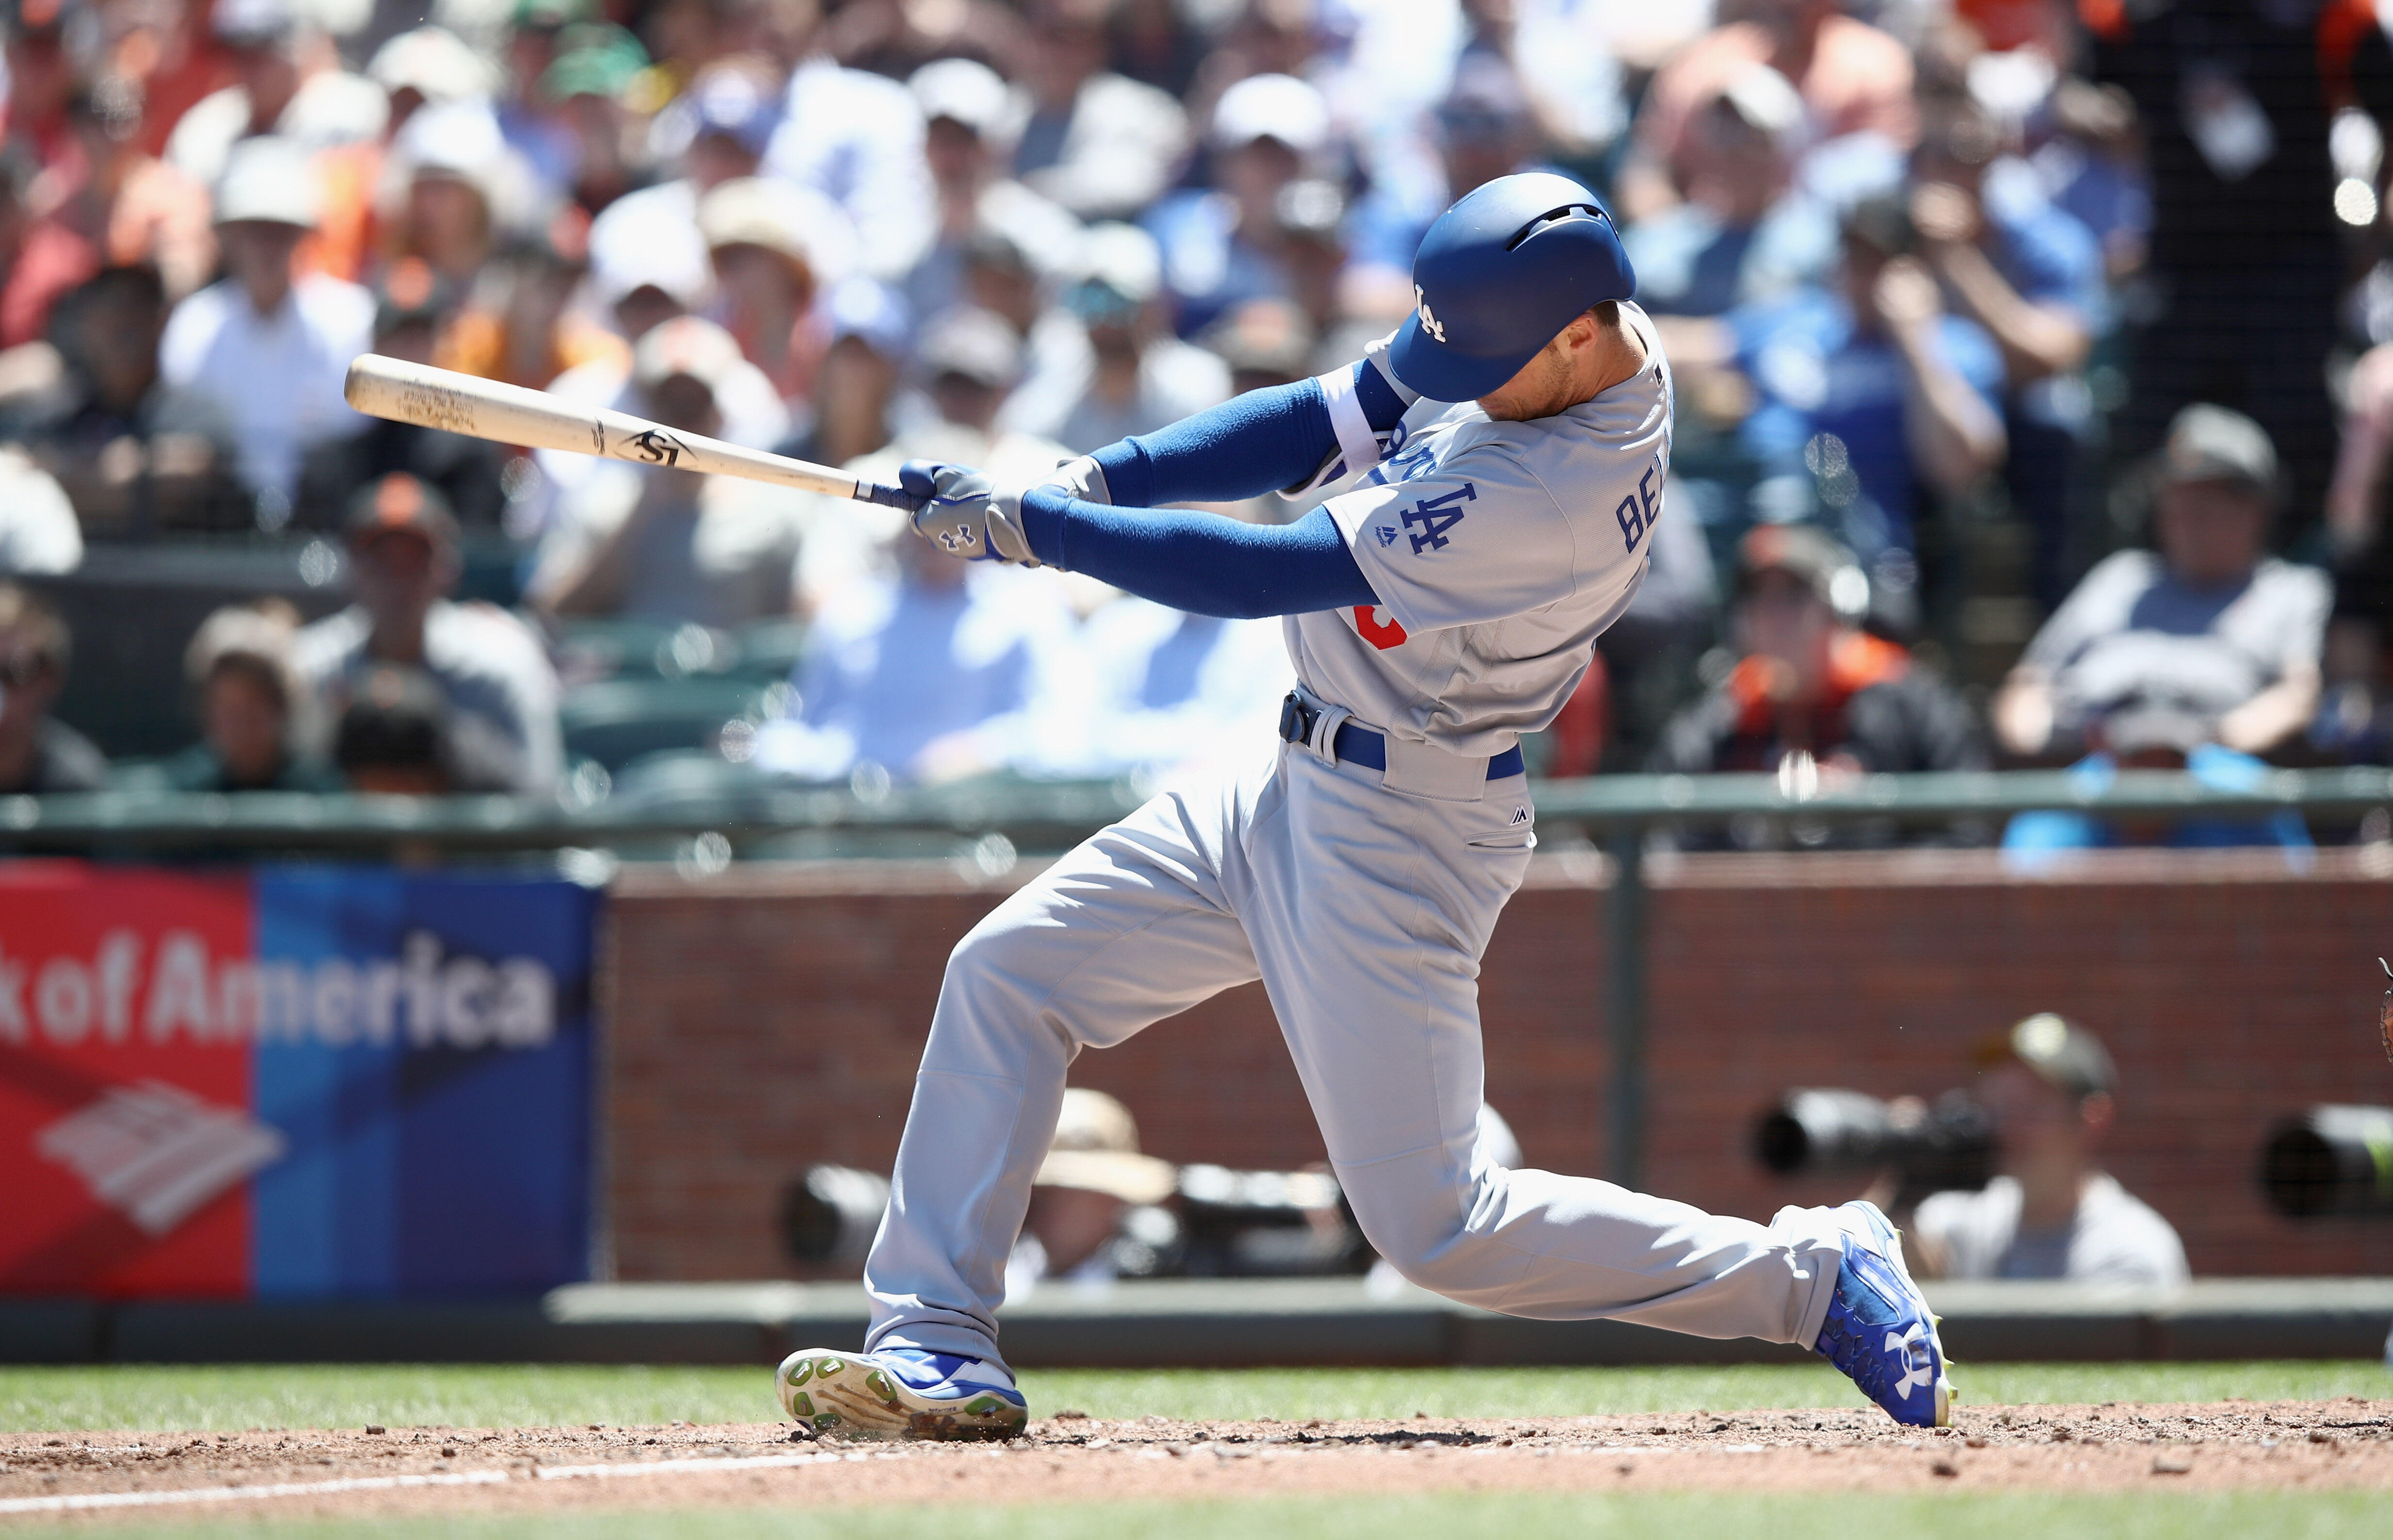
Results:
[1297, 717]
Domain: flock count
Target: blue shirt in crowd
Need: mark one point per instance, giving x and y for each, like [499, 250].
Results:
[1818, 376]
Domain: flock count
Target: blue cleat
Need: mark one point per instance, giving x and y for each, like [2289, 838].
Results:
[1879, 1330]
[900, 1393]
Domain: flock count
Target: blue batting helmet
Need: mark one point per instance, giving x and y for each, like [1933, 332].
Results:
[1498, 275]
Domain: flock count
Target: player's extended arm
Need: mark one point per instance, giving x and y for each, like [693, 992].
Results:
[1249, 445]
[1258, 442]
[1203, 563]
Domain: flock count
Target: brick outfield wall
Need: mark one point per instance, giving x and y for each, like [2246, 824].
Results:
[772, 1017]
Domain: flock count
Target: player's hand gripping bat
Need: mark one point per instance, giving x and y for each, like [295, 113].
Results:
[510, 415]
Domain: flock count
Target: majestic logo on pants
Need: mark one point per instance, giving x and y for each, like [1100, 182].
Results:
[1429, 322]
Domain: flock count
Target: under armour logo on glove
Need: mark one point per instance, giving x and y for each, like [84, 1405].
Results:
[1429, 322]
[964, 514]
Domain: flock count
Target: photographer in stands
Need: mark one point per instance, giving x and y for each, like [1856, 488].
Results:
[2052, 1213]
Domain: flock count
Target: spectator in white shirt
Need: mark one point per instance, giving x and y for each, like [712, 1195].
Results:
[269, 343]
[500, 690]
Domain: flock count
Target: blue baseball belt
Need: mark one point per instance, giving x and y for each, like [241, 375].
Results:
[1361, 746]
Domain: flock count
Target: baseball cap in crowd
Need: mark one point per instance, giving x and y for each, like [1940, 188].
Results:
[729, 101]
[964, 91]
[1764, 100]
[593, 58]
[689, 345]
[972, 342]
[1272, 107]
[460, 140]
[1810, 554]
[2210, 443]
[400, 504]
[253, 24]
[1095, 1150]
[872, 312]
[665, 255]
[433, 62]
[2061, 1053]
[549, 15]
[795, 223]
[268, 180]
[1124, 270]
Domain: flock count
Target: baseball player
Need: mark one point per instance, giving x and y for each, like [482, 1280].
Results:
[1497, 464]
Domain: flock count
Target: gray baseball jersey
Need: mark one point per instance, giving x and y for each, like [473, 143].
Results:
[1499, 551]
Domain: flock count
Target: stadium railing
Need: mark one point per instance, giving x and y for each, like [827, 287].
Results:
[723, 822]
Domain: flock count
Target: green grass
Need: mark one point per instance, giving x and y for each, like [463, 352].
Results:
[221, 1398]
[1448, 1516]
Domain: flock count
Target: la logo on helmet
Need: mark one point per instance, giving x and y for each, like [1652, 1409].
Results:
[1430, 324]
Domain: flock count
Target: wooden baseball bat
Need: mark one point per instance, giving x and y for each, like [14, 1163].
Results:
[485, 409]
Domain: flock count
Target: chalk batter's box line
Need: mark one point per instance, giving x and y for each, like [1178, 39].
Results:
[393, 1483]
[578, 1472]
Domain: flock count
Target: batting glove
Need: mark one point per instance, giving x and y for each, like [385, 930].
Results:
[964, 514]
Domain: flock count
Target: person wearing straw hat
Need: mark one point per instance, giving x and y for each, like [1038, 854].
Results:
[1093, 1175]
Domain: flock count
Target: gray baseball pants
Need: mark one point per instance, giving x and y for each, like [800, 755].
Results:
[1364, 911]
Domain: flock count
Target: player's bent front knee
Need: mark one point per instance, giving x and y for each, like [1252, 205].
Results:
[1442, 1255]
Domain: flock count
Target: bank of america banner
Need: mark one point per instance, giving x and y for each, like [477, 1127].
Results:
[292, 1082]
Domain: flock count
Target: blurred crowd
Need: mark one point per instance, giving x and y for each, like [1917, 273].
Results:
[2035, 363]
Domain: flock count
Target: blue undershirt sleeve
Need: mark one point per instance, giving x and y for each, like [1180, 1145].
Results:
[1198, 562]
[1249, 444]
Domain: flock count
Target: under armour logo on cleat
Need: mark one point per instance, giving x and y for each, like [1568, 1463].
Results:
[1915, 1372]
[1430, 324]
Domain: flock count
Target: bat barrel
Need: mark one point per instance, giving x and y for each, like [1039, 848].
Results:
[430, 398]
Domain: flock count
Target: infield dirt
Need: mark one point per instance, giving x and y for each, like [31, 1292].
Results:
[2311, 1445]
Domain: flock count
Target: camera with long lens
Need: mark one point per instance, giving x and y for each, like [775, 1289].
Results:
[1254, 1224]
[2330, 1160]
[1936, 1146]
[831, 1213]
[1217, 1223]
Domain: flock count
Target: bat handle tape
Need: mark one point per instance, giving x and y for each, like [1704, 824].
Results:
[888, 497]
